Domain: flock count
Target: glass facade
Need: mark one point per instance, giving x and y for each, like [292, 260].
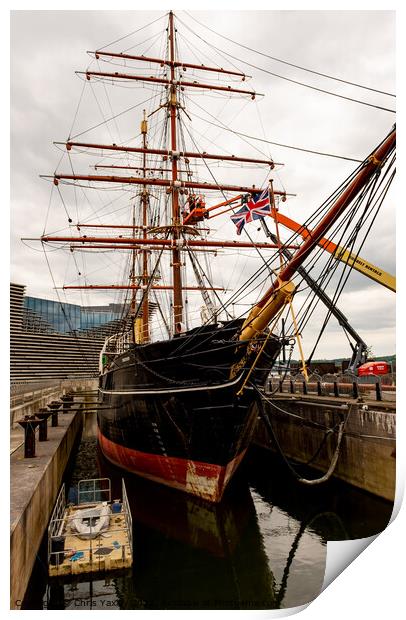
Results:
[45, 315]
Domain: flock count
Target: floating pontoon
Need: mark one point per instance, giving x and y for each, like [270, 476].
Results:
[95, 535]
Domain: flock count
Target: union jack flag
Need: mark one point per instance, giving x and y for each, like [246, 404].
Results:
[255, 208]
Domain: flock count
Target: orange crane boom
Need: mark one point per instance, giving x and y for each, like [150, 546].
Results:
[355, 261]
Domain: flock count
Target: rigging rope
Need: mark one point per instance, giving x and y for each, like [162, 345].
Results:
[133, 32]
[331, 267]
[321, 90]
[286, 146]
[285, 62]
[245, 287]
[343, 280]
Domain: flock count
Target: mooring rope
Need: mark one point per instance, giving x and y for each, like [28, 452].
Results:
[299, 478]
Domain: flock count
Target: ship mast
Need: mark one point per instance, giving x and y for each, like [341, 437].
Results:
[174, 185]
[144, 203]
[140, 334]
[176, 256]
[283, 288]
[133, 303]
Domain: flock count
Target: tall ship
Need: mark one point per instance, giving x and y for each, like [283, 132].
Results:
[178, 385]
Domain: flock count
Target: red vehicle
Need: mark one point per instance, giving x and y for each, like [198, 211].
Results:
[374, 368]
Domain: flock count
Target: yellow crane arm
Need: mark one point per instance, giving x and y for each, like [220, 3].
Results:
[357, 262]
[366, 268]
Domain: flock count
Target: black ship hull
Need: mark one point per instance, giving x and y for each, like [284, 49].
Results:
[175, 413]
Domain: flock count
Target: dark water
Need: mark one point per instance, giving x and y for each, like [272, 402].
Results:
[263, 547]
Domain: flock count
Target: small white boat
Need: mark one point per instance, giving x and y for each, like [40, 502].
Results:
[88, 523]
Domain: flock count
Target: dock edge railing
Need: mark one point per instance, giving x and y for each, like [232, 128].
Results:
[340, 385]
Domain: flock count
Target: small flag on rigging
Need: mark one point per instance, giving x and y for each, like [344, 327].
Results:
[255, 208]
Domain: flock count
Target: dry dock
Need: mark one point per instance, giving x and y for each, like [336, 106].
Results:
[306, 427]
[35, 483]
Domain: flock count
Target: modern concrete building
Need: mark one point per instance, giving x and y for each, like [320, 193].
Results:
[53, 340]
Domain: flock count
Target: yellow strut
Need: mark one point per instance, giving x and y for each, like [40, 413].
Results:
[299, 342]
[260, 317]
[138, 330]
[259, 353]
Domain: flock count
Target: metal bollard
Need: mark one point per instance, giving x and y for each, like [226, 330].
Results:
[378, 390]
[336, 392]
[67, 402]
[355, 389]
[29, 424]
[304, 387]
[319, 388]
[43, 415]
[54, 406]
[280, 386]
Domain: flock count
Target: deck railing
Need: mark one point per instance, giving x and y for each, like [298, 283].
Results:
[114, 345]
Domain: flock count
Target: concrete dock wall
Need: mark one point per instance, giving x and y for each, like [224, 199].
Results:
[35, 483]
[32, 404]
[26, 400]
[367, 456]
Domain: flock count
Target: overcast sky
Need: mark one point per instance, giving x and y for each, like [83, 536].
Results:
[47, 47]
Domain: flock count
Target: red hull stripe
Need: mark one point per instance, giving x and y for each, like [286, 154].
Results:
[202, 479]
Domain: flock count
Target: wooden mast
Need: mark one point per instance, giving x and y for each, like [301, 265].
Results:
[176, 256]
[133, 304]
[174, 186]
[141, 324]
[144, 202]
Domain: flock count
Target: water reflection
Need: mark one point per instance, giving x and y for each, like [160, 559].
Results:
[192, 554]
[263, 547]
[354, 513]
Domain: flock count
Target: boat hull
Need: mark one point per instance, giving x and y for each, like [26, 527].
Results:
[205, 480]
[168, 420]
